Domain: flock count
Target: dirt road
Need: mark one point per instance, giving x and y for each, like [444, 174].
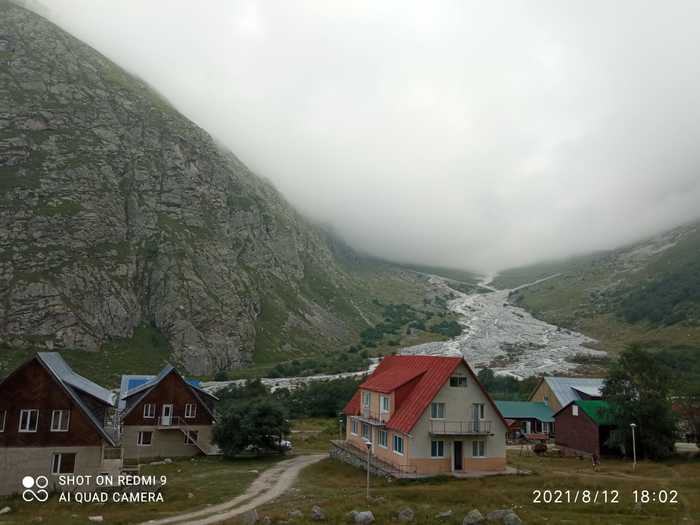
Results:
[269, 485]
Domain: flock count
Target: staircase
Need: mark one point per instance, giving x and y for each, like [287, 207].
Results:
[208, 449]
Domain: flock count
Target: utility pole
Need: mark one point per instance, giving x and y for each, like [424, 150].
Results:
[369, 454]
[340, 426]
[634, 448]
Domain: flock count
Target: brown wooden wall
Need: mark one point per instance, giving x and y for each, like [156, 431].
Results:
[32, 386]
[576, 432]
[171, 390]
[542, 391]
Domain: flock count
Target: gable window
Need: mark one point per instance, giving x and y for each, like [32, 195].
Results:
[385, 403]
[149, 410]
[383, 439]
[367, 432]
[59, 420]
[354, 426]
[63, 463]
[437, 410]
[460, 381]
[144, 439]
[479, 449]
[28, 420]
[190, 410]
[3, 417]
[437, 449]
[546, 400]
[574, 410]
[398, 445]
[366, 398]
[191, 437]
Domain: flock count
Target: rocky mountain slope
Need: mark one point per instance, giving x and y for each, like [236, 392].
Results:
[117, 212]
[648, 292]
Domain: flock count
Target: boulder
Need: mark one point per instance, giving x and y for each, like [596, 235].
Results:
[444, 515]
[362, 518]
[249, 518]
[96, 519]
[473, 517]
[497, 515]
[406, 514]
[190, 495]
[317, 513]
[5, 510]
[296, 513]
[512, 519]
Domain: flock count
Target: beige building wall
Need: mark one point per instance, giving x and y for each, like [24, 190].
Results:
[17, 462]
[166, 443]
[458, 407]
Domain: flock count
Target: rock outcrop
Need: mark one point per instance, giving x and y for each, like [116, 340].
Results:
[117, 211]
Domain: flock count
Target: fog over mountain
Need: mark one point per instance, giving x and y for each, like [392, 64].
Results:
[472, 134]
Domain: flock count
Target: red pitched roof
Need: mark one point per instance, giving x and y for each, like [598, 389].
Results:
[428, 375]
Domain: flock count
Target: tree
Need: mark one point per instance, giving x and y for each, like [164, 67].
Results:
[638, 390]
[257, 425]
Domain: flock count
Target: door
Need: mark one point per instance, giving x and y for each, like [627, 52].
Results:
[477, 408]
[457, 455]
[167, 415]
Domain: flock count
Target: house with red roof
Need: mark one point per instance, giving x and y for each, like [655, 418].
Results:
[426, 415]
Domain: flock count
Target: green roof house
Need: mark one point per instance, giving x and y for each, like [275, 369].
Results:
[532, 417]
[584, 426]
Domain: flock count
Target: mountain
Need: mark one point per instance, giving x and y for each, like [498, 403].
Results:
[646, 293]
[120, 218]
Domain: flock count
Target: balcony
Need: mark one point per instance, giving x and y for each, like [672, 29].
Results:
[459, 428]
[370, 418]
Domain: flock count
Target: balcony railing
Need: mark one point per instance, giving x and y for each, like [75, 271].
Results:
[459, 428]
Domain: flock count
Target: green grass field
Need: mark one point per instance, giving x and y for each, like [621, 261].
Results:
[339, 488]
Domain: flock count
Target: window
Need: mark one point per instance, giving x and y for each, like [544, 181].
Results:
[546, 400]
[398, 445]
[545, 428]
[190, 410]
[3, 417]
[458, 381]
[63, 464]
[437, 449]
[478, 449]
[367, 432]
[383, 439]
[28, 420]
[437, 410]
[354, 427]
[59, 420]
[385, 403]
[144, 439]
[149, 410]
[366, 398]
[574, 410]
[191, 437]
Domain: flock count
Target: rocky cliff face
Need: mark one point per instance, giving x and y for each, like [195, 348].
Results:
[115, 210]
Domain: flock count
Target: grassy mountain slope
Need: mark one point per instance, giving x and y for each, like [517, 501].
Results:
[647, 293]
[117, 213]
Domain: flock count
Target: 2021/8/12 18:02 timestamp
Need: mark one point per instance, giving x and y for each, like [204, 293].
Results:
[559, 496]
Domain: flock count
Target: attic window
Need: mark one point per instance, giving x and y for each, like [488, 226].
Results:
[460, 381]
[574, 410]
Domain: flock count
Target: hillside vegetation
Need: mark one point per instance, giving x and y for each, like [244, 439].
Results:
[647, 293]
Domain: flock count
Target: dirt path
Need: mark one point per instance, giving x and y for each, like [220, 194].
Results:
[269, 485]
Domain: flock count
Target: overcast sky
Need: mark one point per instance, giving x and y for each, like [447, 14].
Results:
[472, 134]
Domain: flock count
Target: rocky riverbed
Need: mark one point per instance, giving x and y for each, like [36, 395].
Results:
[506, 338]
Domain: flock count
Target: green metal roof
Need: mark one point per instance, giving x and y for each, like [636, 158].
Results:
[525, 410]
[598, 410]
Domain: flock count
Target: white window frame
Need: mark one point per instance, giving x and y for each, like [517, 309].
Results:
[139, 438]
[461, 381]
[3, 420]
[60, 414]
[437, 443]
[191, 437]
[385, 400]
[480, 445]
[29, 419]
[574, 410]
[353, 426]
[434, 409]
[385, 434]
[190, 410]
[368, 437]
[398, 439]
[149, 410]
[366, 398]
[56, 465]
